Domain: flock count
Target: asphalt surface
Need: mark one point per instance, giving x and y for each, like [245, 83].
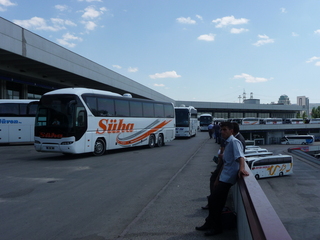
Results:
[296, 197]
[136, 193]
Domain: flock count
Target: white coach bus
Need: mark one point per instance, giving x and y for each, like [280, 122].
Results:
[270, 166]
[272, 121]
[186, 121]
[205, 120]
[80, 120]
[297, 139]
[17, 120]
[250, 121]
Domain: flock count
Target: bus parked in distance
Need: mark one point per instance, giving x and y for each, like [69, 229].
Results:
[294, 121]
[80, 120]
[314, 120]
[17, 120]
[237, 120]
[272, 121]
[250, 121]
[297, 139]
[186, 121]
[205, 120]
[270, 166]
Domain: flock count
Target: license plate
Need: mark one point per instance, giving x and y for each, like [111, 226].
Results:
[50, 148]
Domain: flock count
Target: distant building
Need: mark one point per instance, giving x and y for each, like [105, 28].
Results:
[284, 100]
[304, 102]
[252, 101]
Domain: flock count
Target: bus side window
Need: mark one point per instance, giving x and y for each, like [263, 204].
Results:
[158, 110]
[168, 111]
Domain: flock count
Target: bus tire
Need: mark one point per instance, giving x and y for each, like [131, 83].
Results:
[152, 141]
[281, 174]
[99, 147]
[257, 176]
[160, 140]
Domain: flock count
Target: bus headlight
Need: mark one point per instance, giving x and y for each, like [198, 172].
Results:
[66, 143]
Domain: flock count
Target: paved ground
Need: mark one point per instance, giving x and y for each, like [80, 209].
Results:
[186, 193]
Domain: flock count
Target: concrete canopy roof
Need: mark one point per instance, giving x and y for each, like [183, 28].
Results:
[33, 59]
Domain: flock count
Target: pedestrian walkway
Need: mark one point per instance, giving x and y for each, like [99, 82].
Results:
[176, 210]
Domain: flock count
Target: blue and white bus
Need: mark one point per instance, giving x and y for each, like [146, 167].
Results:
[186, 121]
[297, 139]
[17, 120]
[80, 120]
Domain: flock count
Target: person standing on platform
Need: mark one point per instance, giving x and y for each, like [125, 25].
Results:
[233, 167]
[210, 130]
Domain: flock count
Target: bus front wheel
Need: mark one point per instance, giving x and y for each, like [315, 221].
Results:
[152, 141]
[257, 176]
[99, 147]
[281, 174]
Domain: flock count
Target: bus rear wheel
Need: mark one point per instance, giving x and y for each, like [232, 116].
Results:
[281, 174]
[257, 176]
[160, 140]
[99, 147]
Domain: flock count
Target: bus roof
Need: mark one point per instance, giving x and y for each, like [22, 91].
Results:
[249, 159]
[80, 91]
[18, 100]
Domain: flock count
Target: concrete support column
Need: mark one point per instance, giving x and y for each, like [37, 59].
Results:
[3, 89]
[24, 91]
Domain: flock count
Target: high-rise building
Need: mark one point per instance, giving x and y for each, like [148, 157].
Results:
[304, 102]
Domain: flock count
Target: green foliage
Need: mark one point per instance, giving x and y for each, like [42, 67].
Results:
[315, 112]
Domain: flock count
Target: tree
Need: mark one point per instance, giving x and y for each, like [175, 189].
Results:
[315, 112]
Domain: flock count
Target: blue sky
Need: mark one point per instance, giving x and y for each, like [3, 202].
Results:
[198, 50]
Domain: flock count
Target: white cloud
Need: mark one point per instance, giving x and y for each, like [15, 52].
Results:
[207, 37]
[131, 69]
[317, 31]
[61, 7]
[58, 21]
[187, 20]
[283, 10]
[37, 23]
[91, 13]
[264, 39]
[250, 79]
[238, 30]
[66, 40]
[230, 20]
[89, 25]
[159, 85]
[199, 17]
[171, 74]
[313, 59]
[294, 34]
[117, 66]
[7, 3]
[317, 63]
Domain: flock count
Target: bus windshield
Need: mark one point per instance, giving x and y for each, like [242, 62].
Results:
[205, 120]
[182, 117]
[60, 116]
